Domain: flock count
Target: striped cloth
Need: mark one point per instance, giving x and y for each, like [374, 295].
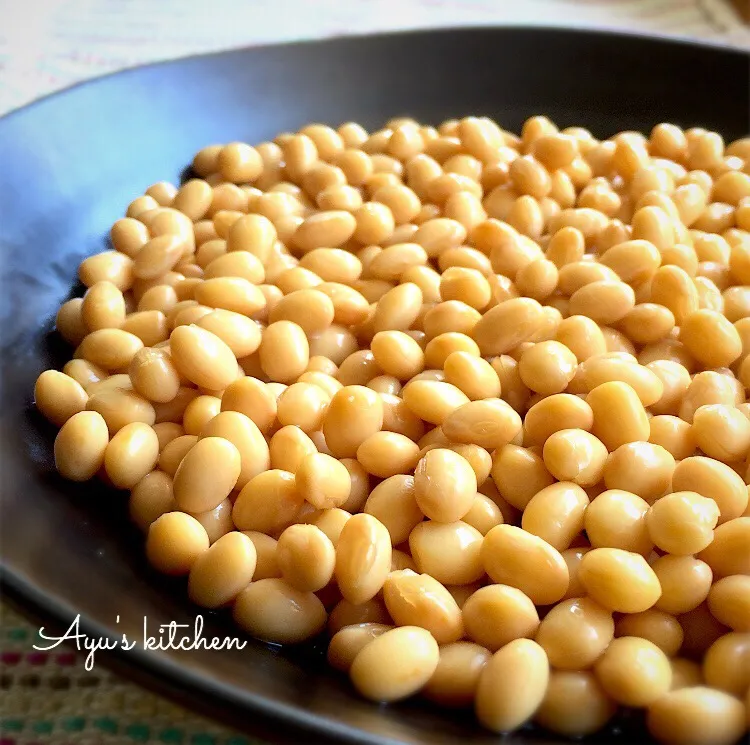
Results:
[64, 41]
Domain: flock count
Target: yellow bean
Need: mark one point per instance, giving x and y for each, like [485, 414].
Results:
[396, 664]
[354, 413]
[697, 715]
[150, 498]
[272, 610]
[514, 557]
[575, 633]
[174, 543]
[246, 437]
[497, 614]
[131, 454]
[619, 416]
[575, 455]
[200, 485]
[575, 704]
[714, 480]
[634, 672]
[449, 552]
[444, 485]
[268, 503]
[363, 558]
[350, 640]
[619, 580]
[728, 554]
[617, 519]
[512, 685]
[223, 571]
[507, 325]
[80, 446]
[420, 600]
[58, 396]
[556, 514]
[455, 680]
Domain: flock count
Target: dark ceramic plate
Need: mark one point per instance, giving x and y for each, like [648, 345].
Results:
[69, 164]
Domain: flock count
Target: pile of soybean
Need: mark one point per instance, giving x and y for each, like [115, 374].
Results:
[473, 402]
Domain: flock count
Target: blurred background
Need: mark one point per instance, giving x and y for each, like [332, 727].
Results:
[46, 45]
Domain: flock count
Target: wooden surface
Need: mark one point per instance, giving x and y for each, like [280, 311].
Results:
[743, 6]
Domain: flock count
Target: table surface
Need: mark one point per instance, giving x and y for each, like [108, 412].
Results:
[50, 697]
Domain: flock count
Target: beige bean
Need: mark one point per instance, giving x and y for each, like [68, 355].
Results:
[727, 554]
[575, 455]
[619, 580]
[519, 473]
[355, 413]
[268, 503]
[519, 559]
[150, 498]
[323, 481]
[697, 715]
[272, 610]
[110, 266]
[174, 543]
[350, 640]
[445, 485]
[575, 704]
[729, 600]
[284, 351]
[131, 454]
[396, 664]
[507, 325]
[575, 633]
[385, 454]
[619, 416]
[634, 672]
[243, 433]
[556, 514]
[120, 407]
[202, 357]
[223, 571]
[512, 685]
[80, 446]
[84, 373]
[110, 348]
[489, 423]
[345, 613]
[393, 503]
[449, 552]
[252, 398]
[306, 557]
[363, 558]
[497, 614]
[58, 396]
[420, 600]
[198, 484]
[617, 519]
[714, 480]
[455, 680]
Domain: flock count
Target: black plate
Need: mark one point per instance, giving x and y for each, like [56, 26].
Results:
[71, 162]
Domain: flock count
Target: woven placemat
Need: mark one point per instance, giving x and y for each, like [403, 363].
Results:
[49, 697]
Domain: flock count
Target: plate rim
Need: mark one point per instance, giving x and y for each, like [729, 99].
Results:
[156, 671]
[610, 31]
